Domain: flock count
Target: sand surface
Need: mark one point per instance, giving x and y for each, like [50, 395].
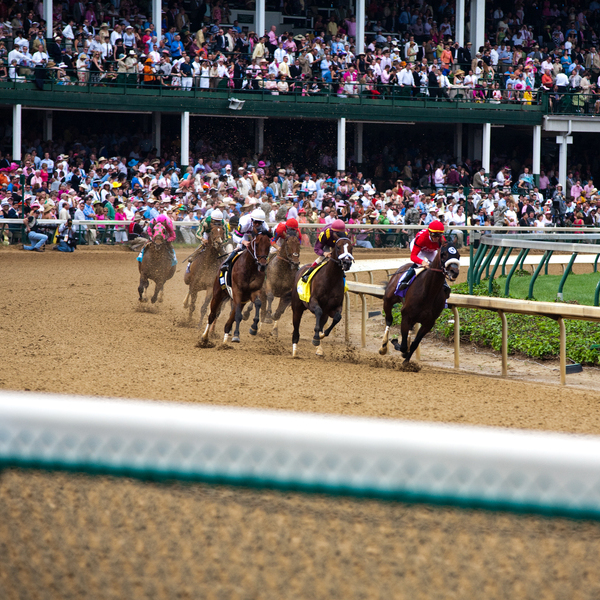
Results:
[72, 324]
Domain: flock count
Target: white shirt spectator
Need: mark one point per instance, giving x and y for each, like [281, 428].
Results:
[39, 57]
[562, 80]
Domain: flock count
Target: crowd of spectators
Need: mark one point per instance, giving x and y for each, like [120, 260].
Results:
[135, 188]
[410, 50]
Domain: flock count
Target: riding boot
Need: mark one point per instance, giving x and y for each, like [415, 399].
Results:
[227, 264]
[308, 272]
[409, 275]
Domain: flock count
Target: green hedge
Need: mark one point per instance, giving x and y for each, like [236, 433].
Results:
[534, 337]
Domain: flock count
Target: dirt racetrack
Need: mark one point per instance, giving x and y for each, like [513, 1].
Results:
[72, 324]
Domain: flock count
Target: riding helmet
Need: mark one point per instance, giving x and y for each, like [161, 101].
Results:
[216, 215]
[258, 215]
[291, 223]
[338, 225]
[436, 227]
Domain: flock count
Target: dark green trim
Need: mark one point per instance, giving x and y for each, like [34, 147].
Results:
[157, 475]
[545, 257]
[293, 106]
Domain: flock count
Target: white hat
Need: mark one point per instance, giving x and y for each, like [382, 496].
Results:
[258, 215]
[216, 215]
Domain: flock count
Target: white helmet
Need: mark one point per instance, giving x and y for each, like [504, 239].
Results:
[216, 215]
[258, 215]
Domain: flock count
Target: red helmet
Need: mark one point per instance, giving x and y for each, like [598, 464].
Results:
[338, 225]
[291, 224]
[436, 227]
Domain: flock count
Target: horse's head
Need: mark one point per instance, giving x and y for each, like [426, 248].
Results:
[261, 247]
[450, 261]
[342, 253]
[159, 234]
[291, 249]
[216, 237]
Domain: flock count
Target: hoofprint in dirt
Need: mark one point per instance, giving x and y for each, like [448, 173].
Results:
[72, 328]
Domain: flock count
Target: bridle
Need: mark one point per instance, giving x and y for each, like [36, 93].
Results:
[257, 257]
[447, 263]
[345, 259]
[293, 263]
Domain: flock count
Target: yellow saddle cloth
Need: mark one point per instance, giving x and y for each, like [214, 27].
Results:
[303, 288]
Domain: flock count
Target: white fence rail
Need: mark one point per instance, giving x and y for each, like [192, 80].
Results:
[471, 466]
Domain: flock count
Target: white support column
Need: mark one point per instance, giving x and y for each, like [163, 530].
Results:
[477, 24]
[185, 139]
[358, 150]
[563, 141]
[459, 27]
[48, 8]
[156, 130]
[47, 129]
[458, 142]
[260, 18]
[259, 136]
[156, 17]
[16, 149]
[537, 152]
[341, 144]
[486, 146]
[360, 27]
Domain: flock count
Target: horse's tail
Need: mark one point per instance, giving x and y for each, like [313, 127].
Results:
[186, 301]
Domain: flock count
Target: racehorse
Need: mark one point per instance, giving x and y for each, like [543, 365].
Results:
[424, 301]
[247, 278]
[156, 264]
[203, 269]
[281, 272]
[326, 294]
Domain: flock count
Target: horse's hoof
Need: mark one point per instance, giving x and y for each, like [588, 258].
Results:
[252, 331]
[396, 346]
[153, 300]
[406, 356]
[246, 316]
[383, 350]
[235, 339]
[275, 332]
[321, 335]
[143, 299]
[268, 320]
[316, 341]
[320, 352]
[294, 350]
[225, 338]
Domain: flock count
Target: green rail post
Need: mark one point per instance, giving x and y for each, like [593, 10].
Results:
[487, 268]
[470, 271]
[493, 274]
[597, 294]
[481, 251]
[535, 275]
[511, 272]
[505, 261]
[561, 285]
[596, 263]
[524, 257]
[486, 263]
[548, 262]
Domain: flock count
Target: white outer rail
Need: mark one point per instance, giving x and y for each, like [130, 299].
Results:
[424, 462]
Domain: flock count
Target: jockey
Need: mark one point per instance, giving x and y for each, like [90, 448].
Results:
[325, 242]
[424, 248]
[203, 232]
[167, 223]
[249, 226]
[282, 229]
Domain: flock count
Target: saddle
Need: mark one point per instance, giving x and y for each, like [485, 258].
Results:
[304, 289]
[404, 269]
[225, 274]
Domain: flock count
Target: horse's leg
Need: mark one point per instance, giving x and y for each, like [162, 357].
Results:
[158, 286]
[423, 331]
[284, 302]
[388, 304]
[204, 307]
[246, 312]
[268, 316]
[318, 312]
[405, 326]
[297, 312]
[337, 317]
[237, 313]
[257, 305]
[142, 288]
[193, 296]
[161, 294]
[215, 303]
